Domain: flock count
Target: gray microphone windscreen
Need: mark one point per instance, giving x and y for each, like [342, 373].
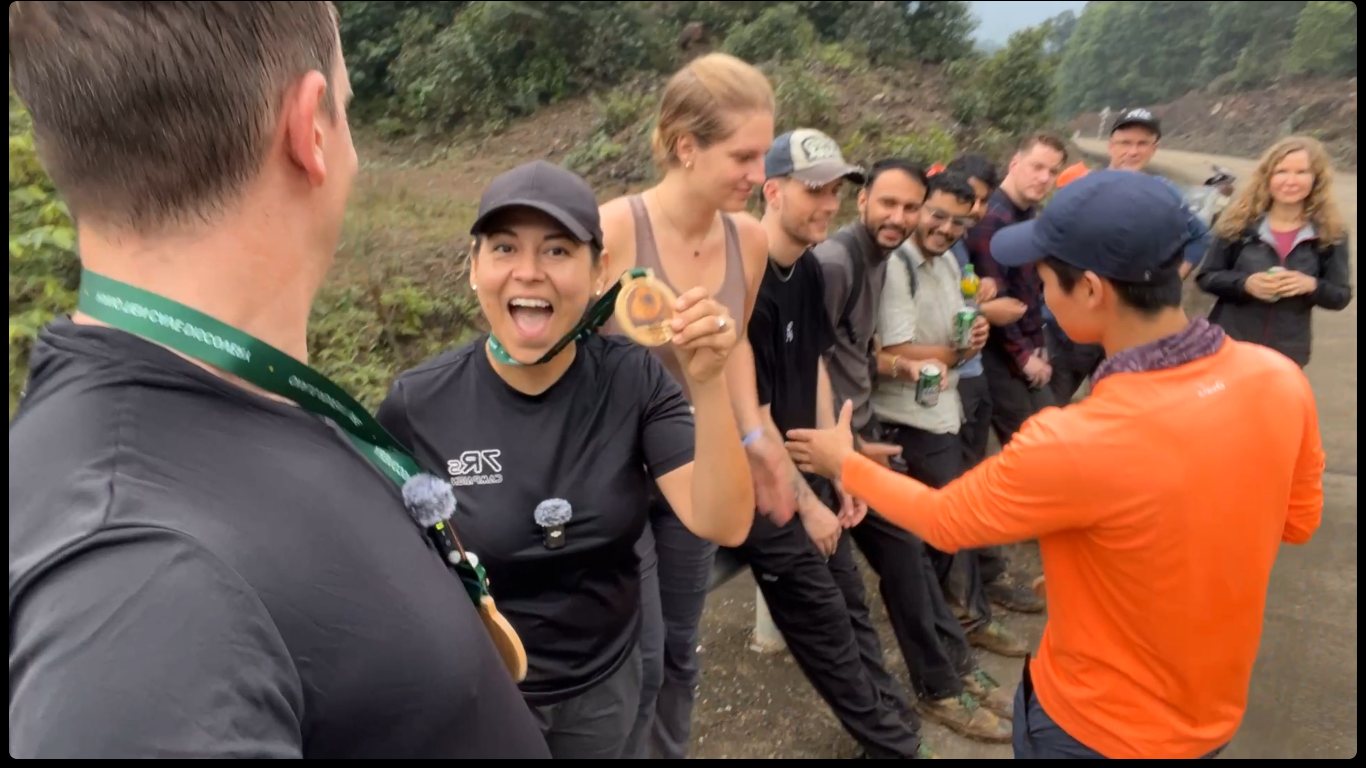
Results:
[429, 499]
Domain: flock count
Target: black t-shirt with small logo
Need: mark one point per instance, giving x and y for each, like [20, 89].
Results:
[789, 332]
[596, 439]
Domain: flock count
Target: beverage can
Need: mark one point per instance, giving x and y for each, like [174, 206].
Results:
[962, 327]
[927, 386]
[1273, 271]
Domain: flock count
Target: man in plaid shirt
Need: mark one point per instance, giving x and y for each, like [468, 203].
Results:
[1016, 357]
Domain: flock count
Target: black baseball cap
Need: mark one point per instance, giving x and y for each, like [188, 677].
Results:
[557, 192]
[1122, 225]
[1141, 117]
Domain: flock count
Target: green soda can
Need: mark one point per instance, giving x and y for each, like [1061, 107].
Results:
[1272, 271]
[927, 386]
[962, 326]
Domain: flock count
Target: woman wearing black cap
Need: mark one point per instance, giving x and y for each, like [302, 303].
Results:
[552, 435]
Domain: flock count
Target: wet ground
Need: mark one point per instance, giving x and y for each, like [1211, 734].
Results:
[1303, 701]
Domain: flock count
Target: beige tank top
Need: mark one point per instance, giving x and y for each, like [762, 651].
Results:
[731, 295]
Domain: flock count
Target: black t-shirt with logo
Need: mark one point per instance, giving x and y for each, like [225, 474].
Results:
[789, 332]
[596, 439]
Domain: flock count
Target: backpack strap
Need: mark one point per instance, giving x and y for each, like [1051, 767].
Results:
[857, 269]
[905, 258]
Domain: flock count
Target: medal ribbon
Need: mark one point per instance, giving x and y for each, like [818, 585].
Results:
[203, 338]
[596, 317]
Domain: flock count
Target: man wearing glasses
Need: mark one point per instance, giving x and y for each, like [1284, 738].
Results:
[921, 299]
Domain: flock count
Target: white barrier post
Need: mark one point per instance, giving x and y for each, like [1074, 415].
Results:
[767, 638]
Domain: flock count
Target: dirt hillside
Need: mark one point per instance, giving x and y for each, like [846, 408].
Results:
[1245, 124]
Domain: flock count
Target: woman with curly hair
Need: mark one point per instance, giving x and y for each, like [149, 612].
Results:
[1280, 251]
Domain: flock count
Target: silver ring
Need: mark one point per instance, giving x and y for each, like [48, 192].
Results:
[720, 323]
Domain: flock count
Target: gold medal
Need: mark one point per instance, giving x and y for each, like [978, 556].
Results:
[505, 639]
[645, 307]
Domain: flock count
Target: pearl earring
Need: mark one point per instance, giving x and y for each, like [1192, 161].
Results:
[473, 287]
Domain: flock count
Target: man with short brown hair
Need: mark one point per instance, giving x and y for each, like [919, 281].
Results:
[1015, 357]
[209, 552]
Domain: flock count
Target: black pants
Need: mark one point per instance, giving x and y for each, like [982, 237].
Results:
[1072, 363]
[820, 609]
[931, 640]
[975, 568]
[937, 460]
[1013, 400]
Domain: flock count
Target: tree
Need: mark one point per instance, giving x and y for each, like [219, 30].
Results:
[1325, 40]
[1248, 39]
[372, 35]
[940, 31]
[1016, 85]
[1132, 53]
[1060, 29]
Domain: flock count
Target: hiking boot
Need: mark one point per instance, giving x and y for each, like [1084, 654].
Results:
[1013, 597]
[964, 716]
[992, 696]
[996, 639]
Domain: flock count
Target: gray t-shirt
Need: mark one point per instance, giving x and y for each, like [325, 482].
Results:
[199, 572]
[849, 359]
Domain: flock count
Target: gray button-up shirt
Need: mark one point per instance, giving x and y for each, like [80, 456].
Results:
[923, 317]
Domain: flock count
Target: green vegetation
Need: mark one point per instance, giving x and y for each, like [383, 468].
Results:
[1129, 53]
[44, 271]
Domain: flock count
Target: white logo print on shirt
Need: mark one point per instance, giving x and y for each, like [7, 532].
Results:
[476, 468]
[791, 331]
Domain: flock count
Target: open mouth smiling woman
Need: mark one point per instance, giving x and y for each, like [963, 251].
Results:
[552, 436]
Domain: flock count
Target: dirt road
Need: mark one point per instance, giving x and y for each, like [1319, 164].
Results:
[1304, 691]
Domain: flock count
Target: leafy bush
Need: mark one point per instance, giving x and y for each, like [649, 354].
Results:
[44, 270]
[373, 34]
[924, 146]
[505, 59]
[621, 109]
[781, 32]
[803, 100]
[1325, 40]
[362, 335]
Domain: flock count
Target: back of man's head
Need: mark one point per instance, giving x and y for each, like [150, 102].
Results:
[148, 114]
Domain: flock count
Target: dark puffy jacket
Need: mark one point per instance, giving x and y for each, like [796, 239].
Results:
[1285, 325]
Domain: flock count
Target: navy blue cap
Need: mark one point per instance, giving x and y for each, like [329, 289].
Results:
[1122, 225]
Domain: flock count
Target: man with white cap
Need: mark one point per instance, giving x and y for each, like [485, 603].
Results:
[805, 568]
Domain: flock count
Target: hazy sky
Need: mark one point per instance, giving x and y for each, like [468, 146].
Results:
[999, 19]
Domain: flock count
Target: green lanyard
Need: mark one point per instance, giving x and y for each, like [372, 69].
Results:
[199, 336]
[596, 317]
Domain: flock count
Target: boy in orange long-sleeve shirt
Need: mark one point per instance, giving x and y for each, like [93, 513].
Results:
[1157, 570]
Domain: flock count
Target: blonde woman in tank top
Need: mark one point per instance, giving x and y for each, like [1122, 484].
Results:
[715, 123]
